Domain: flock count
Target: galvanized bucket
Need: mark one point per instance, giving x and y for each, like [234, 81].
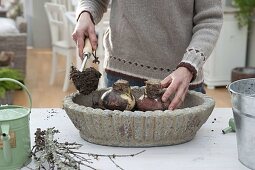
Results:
[15, 134]
[243, 105]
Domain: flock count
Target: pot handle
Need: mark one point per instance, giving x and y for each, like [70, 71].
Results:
[231, 126]
[5, 137]
[24, 87]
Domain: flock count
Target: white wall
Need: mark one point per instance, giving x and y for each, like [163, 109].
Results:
[251, 46]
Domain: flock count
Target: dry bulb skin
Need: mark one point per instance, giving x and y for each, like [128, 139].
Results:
[151, 99]
[119, 97]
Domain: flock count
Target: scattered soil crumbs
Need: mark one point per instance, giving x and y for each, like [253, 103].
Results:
[86, 81]
[51, 113]
[214, 120]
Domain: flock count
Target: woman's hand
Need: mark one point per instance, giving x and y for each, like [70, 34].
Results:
[84, 28]
[177, 83]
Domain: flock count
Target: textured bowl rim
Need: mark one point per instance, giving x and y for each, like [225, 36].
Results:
[208, 102]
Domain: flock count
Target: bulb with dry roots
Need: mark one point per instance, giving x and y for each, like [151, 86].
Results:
[86, 81]
[151, 99]
[119, 97]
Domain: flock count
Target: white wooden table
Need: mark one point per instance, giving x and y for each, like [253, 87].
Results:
[209, 150]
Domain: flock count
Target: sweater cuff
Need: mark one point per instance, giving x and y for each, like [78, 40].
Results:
[193, 60]
[91, 17]
[90, 11]
[190, 68]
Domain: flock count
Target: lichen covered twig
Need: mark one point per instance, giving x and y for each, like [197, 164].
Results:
[50, 154]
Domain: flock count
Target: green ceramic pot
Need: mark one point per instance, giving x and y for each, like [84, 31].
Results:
[14, 133]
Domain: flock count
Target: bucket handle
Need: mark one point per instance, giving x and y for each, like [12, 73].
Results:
[24, 87]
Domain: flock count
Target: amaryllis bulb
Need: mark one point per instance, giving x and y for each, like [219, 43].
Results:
[119, 97]
[151, 99]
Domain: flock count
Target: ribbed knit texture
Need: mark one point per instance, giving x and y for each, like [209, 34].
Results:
[149, 38]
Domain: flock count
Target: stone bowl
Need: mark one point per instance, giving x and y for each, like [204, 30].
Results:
[137, 128]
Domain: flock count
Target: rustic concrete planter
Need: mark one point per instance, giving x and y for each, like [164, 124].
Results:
[242, 73]
[137, 129]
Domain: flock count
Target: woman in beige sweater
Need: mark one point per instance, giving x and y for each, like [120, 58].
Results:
[167, 39]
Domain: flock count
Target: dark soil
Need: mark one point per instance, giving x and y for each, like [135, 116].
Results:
[86, 81]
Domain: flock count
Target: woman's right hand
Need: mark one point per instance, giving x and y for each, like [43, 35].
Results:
[84, 28]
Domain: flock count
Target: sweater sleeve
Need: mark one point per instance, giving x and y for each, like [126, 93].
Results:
[96, 8]
[207, 20]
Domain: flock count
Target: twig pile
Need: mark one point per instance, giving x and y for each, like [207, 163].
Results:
[51, 154]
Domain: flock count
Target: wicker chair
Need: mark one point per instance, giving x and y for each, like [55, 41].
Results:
[16, 43]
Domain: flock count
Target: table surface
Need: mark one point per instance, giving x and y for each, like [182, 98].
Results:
[210, 149]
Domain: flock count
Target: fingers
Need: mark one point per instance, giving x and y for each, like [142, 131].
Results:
[83, 29]
[93, 39]
[177, 84]
[80, 45]
[178, 98]
[79, 38]
[166, 82]
[169, 91]
[179, 90]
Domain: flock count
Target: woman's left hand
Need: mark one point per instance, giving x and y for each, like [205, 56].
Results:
[177, 83]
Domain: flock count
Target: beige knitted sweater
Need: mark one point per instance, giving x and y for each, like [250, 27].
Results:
[150, 38]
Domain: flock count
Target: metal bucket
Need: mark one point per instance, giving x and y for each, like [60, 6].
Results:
[14, 134]
[243, 105]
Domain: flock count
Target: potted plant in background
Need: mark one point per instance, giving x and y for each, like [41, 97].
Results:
[246, 12]
[246, 17]
[7, 88]
[7, 71]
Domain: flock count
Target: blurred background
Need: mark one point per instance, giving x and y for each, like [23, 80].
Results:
[35, 39]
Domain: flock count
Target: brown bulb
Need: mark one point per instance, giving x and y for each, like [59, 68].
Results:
[119, 97]
[151, 99]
